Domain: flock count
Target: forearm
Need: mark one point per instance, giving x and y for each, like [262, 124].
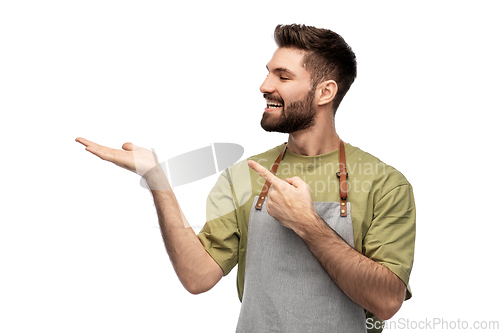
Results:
[367, 283]
[196, 270]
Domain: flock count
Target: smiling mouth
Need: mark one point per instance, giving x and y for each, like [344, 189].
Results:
[272, 105]
[273, 102]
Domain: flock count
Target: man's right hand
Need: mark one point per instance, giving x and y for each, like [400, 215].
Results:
[136, 159]
[133, 158]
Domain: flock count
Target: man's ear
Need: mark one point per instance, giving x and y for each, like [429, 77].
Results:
[326, 91]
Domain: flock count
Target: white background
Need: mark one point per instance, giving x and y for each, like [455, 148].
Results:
[80, 250]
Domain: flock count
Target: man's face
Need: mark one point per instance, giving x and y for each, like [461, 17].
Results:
[290, 101]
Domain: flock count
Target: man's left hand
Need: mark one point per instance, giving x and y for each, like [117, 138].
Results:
[289, 201]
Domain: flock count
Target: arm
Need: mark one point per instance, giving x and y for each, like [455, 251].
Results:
[367, 283]
[196, 269]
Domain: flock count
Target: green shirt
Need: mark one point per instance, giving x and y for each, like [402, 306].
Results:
[381, 199]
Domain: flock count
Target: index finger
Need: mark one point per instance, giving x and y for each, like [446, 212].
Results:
[105, 153]
[264, 173]
[85, 142]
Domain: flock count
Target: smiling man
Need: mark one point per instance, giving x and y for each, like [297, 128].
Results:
[315, 252]
[323, 233]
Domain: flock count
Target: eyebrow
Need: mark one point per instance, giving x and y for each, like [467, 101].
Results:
[282, 70]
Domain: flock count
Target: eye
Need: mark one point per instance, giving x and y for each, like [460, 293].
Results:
[283, 78]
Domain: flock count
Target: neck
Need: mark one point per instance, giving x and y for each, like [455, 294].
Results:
[319, 139]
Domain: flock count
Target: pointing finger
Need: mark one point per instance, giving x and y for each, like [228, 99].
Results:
[264, 173]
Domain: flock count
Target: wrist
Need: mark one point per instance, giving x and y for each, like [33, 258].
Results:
[311, 222]
[156, 179]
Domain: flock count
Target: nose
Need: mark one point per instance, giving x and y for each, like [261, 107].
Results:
[267, 87]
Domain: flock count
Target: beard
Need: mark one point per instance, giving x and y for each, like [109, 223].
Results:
[294, 117]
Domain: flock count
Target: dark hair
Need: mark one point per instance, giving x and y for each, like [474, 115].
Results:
[328, 58]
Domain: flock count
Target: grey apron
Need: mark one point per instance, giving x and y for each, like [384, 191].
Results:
[286, 289]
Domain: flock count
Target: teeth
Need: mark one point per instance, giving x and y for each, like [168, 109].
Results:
[273, 105]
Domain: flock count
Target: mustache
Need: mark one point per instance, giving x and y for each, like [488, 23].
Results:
[274, 98]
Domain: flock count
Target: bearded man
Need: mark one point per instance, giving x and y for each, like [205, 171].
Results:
[323, 233]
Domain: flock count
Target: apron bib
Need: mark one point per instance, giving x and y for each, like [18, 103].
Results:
[286, 289]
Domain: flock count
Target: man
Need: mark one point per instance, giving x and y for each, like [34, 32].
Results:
[324, 238]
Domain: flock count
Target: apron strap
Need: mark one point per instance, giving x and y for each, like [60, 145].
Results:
[343, 185]
[267, 185]
[341, 174]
